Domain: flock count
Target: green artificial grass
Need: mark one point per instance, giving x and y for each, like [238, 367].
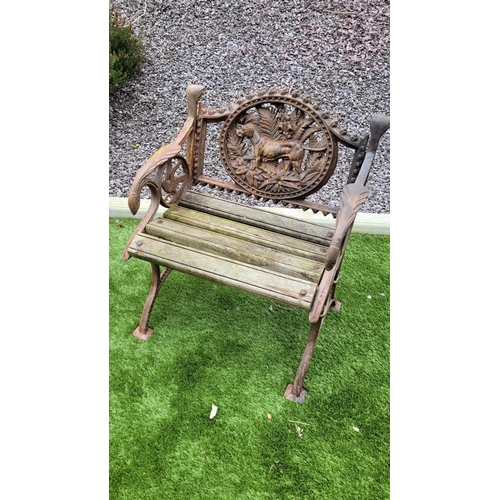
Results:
[214, 345]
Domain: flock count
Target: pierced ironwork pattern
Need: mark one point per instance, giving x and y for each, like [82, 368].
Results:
[175, 181]
[277, 147]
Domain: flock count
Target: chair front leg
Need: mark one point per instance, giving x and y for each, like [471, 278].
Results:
[143, 331]
[295, 392]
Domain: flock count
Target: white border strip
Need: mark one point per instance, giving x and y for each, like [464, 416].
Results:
[364, 223]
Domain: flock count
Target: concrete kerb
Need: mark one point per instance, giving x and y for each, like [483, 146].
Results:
[365, 222]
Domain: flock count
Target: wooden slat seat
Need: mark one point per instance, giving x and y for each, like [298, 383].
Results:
[257, 217]
[261, 260]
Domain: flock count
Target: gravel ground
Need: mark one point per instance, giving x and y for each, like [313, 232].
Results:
[335, 52]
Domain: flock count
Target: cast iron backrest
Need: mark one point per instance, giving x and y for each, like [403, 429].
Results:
[274, 144]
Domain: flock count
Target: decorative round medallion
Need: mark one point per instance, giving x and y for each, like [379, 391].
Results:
[277, 146]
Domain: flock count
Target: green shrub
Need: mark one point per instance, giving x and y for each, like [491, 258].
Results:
[126, 51]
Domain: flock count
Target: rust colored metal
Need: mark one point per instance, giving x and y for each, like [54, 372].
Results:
[290, 395]
[275, 145]
[278, 147]
[143, 331]
[296, 392]
[151, 174]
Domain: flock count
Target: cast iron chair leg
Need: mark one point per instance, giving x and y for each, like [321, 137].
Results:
[143, 332]
[295, 392]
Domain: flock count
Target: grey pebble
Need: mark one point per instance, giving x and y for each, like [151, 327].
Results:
[338, 53]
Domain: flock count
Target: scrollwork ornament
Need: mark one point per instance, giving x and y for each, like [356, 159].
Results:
[175, 182]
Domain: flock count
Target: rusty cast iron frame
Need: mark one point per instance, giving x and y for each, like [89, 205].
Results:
[275, 144]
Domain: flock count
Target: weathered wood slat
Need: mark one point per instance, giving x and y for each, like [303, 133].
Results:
[266, 283]
[235, 248]
[263, 237]
[255, 216]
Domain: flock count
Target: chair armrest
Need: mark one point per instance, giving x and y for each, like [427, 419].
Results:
[351, 199]
[141, 178]
[157, 162]
[165, 153]
[379, 124]
[354, 195]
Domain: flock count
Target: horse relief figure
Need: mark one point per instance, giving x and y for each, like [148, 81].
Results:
[277, 150]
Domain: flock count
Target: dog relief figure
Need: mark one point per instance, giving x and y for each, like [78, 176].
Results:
[265, 148]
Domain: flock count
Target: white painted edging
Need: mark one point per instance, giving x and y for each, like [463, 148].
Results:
[365, 223]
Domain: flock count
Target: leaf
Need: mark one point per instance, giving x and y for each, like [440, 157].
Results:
[236, 147]
[299, 430]
[213, 412]
[303, 125]
[315, 162]
[267, 123]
